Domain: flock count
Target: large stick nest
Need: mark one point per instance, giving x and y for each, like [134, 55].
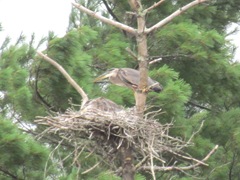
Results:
[102, 126]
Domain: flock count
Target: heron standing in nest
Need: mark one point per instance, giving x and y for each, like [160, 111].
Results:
[129, 78]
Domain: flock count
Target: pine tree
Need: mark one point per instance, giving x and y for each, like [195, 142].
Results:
[200, 82]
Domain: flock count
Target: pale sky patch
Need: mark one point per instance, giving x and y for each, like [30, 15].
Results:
[40, 17]
[33, 16]
[235, 39]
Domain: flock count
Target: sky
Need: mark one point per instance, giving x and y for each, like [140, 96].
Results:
[38, 16]
[42, 16]
[235, 39]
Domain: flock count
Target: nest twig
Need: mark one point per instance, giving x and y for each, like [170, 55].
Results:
[105, 125]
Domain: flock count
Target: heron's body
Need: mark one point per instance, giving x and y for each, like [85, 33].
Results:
[129, 78]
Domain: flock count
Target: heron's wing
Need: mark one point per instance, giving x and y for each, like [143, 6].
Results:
[133, 76]
[130, 77]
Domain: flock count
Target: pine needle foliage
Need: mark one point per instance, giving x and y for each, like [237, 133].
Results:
[201, 86]
[15, 82]
[18, 151]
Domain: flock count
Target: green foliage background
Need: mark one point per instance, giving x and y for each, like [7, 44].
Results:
[201, 83]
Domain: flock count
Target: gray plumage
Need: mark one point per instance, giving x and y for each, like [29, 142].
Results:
[129, 78]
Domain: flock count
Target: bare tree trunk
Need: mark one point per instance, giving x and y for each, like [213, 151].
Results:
[128, 170]
[141, 96]
[141, 32]
[141, 36]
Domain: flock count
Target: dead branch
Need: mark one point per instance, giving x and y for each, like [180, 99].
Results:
[189, 158]
[103, 127]
[51, 157]
[173, 15]
[155, 60]
[194, 133]
[113, 15]
[90, 169]
[154, 5]
[172, 56]
[131, 53]
[104, 19]
[110, 11]
[135, 4]
[151, 159]
[170, 168]
[143, 161]
[131, 13]
[199, 106]
[67, 76]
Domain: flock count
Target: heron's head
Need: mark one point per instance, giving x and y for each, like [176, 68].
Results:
[109, 73]
[156, 87]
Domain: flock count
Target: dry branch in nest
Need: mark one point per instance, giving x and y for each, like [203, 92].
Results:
[102, 126]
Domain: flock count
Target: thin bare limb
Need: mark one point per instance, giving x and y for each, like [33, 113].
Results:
[142, 162]
[155, 60]
[131, 13]
[152, 167]
[189, 158]
[170, 57]
[131, 53]
[110, 11]
[67, 76]
[173, 15]
[135, 5]
[112, 14]
[194, 133]
[51, 157]
[170, 168]
[199, 106]
[90, 169]
[154, 5]
[104, 19]
[151, 159]
[210, 153]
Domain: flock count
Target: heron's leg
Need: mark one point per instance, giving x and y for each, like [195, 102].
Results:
[135, 95]
[144, 90]
[148, 88]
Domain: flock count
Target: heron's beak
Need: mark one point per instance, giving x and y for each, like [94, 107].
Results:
[101, 77]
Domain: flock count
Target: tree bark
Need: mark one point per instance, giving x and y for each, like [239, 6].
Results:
[67, 76]
[104, 19]
[140, 95]
[128, 170]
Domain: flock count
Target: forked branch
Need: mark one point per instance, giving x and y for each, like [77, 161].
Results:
[173, 15]
[67, 76]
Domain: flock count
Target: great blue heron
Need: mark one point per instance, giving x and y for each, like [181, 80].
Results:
[129, 78]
